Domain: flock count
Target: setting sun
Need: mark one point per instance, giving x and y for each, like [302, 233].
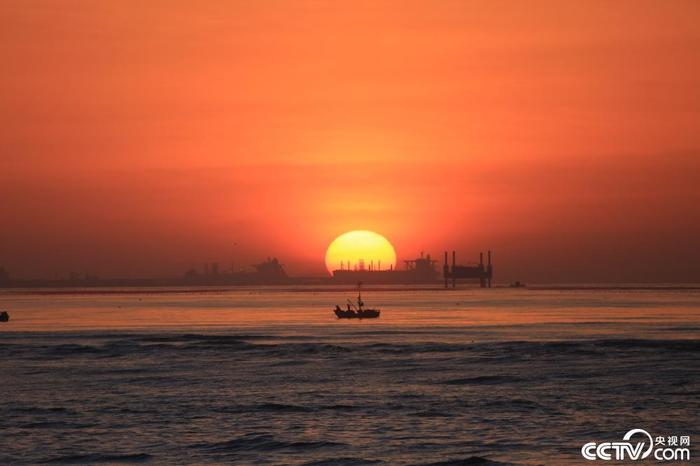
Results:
[360, 249]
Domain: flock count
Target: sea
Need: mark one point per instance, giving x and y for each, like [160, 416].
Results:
[270, 376]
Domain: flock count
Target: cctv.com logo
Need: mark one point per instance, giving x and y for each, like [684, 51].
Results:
[638, 444]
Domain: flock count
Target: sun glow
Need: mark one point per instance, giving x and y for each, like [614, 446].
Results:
[360, 249]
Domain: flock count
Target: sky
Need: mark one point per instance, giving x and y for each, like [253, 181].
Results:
[139, 139]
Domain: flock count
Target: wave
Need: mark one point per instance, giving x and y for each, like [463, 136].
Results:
[71, 348]
[691, 345]
[343, 461]
[280, 407]
[505, 350]
[429, 347]
[56, 425]
[470, 461]
[484, 380]
[263, 442]
[284, 408]
[100, 458]
[202, 338]
[30, 409]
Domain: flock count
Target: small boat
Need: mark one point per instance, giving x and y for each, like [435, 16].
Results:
[4, 316]
[356, 311]
[517, 285]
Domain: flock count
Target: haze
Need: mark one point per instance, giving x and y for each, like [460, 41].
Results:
[139, 139]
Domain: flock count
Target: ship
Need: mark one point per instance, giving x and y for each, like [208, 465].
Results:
[356, 311]
[269, 272]
[419, 270]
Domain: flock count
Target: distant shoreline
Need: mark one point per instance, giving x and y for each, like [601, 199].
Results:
[326, 288]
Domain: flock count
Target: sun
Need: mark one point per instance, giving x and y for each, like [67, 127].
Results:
[359, 249]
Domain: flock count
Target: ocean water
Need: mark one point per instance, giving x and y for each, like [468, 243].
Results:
[270, 376]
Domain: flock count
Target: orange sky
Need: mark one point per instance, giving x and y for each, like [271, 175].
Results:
[141, 138]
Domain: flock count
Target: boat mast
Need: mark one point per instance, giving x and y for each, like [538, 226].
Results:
[359, 295]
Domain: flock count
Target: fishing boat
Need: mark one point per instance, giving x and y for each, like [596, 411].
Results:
[356, 311]
[4, 316]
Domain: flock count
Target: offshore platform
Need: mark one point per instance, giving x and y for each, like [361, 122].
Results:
[469, 272]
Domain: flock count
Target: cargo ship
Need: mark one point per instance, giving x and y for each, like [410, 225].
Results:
[269, 272]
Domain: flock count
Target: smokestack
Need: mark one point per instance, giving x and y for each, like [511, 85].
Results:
[490, 269]
[454, 263]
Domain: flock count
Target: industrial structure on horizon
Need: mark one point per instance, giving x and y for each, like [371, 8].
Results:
[468, 272]
[419, 270]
